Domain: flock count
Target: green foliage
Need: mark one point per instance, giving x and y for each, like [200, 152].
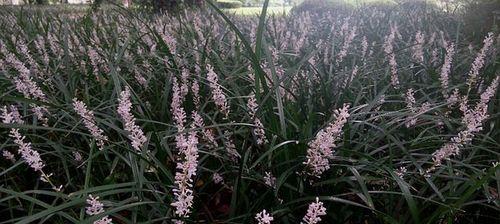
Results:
[480, 17]
[296, 90]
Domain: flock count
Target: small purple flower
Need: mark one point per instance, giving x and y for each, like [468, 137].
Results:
[90, 123]
[314, 213]
[263, 217]
[136, 134]
[320, 149]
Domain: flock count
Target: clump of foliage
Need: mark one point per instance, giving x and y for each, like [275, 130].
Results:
[480, 17]
[367, 115]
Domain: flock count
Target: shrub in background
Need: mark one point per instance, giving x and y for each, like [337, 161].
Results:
[480, 17]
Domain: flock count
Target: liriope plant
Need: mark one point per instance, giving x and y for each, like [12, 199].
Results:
[367, 115]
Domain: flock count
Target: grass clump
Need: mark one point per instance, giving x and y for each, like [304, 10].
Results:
[371, 115]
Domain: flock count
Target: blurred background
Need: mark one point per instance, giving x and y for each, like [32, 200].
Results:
[479, 16]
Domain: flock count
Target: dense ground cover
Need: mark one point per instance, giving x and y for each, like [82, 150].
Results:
[377, 114]
[252, 11]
